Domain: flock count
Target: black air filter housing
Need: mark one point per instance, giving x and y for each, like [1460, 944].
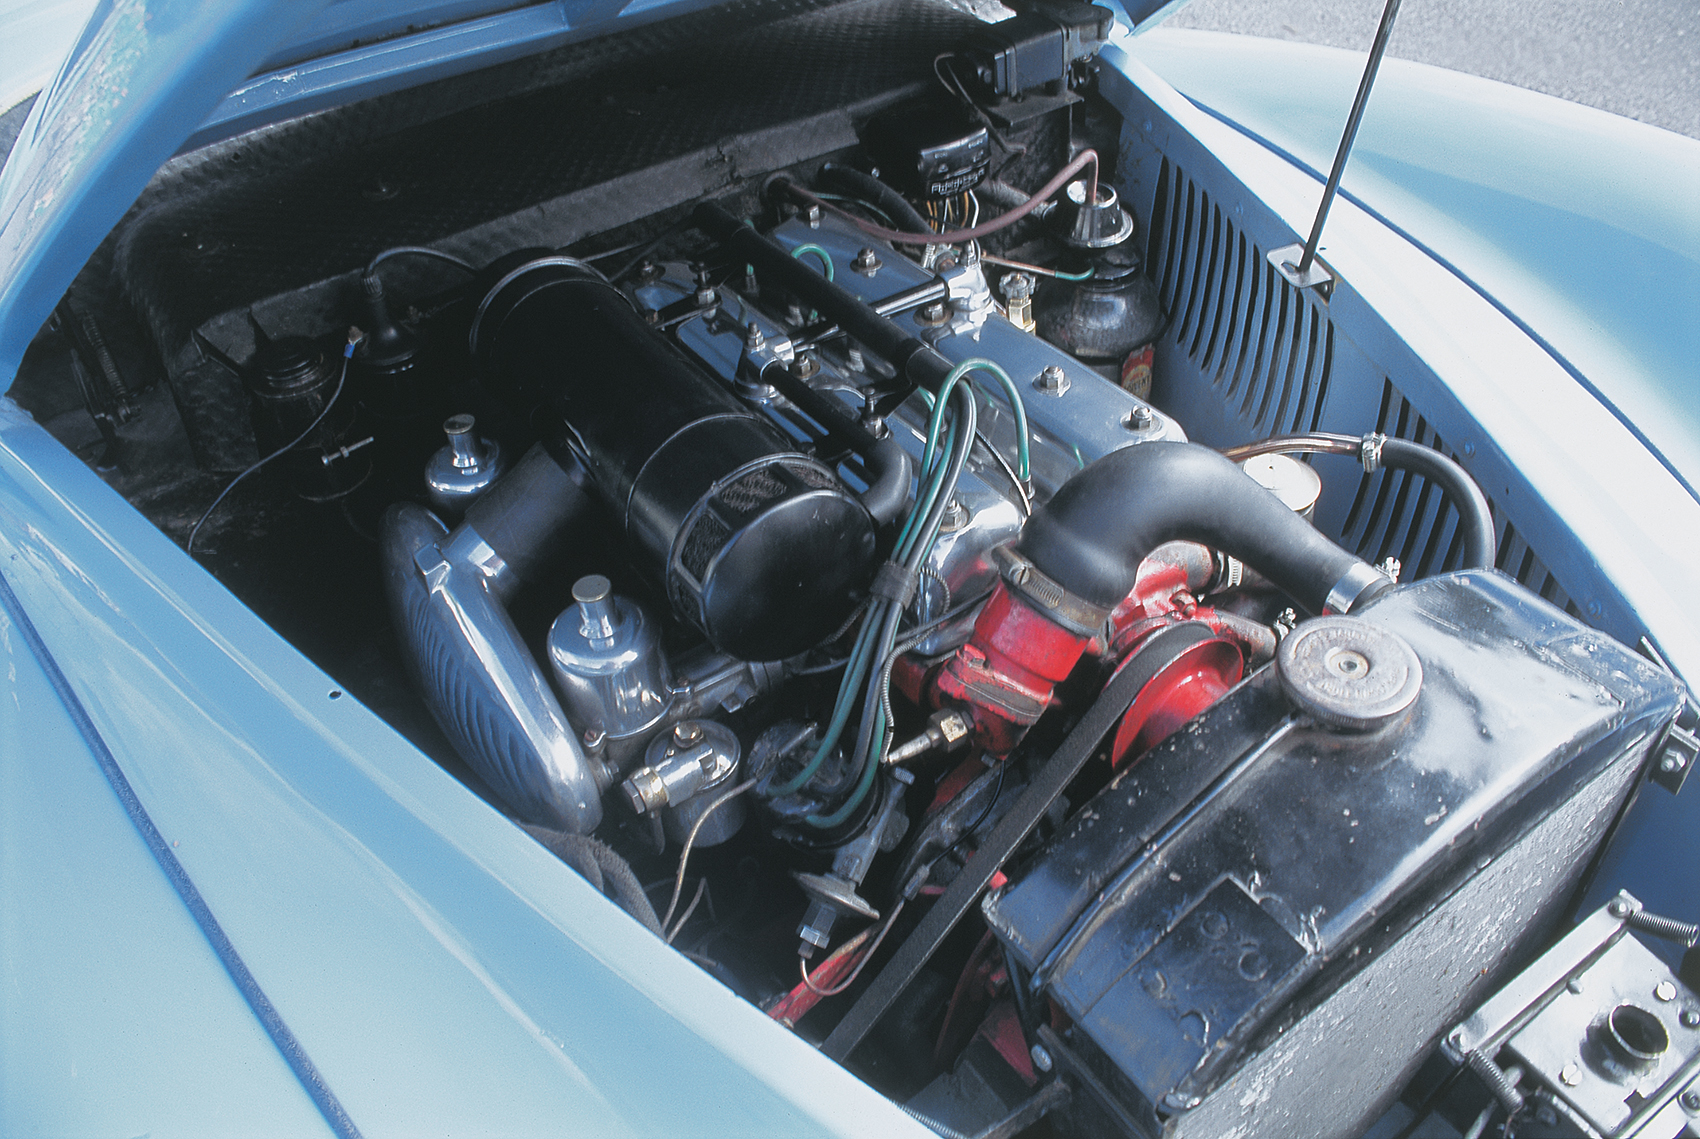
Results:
[1262, 926]
[758, 546]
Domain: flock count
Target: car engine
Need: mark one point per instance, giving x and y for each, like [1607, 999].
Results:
[806, 561]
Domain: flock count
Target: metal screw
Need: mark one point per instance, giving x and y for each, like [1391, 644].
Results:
[853, 356]
[813, 215]
[344, 452]
[1041, 1058]
[753, 339]
[1052, 381]
[1691, 1100]
[1573, 986]
[934, 313]
[1139, 419]
[1618, 908]
[686, 733]
[866, 261]
[1571, 1075]
[1665, 991]
[1672, 760]
[1690, 1018]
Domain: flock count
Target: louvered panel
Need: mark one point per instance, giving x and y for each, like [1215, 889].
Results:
[1400, 514]
[1264, 347]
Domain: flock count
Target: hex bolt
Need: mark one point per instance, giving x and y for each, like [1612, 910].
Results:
[1041, 1058]
[866, 261]
[934, 313]
[687, 733]
[813, 215]
[753, 339]
[1052, 381]
[1139, 419]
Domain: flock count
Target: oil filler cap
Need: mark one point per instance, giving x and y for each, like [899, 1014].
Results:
[1348, 673]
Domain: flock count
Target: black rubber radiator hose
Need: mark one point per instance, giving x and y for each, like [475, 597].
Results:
[1091, 537]
[1475, 516]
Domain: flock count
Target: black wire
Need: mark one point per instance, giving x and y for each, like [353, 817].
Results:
[418, 251]
[341, 380]
[997, 791]
[650, 247]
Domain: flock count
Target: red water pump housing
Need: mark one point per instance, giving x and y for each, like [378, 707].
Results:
[1031, 635]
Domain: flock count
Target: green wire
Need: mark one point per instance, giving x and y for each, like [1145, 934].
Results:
[825, 257]
[863, 785]
[905, 546]
[847, 687]
[1023, 468]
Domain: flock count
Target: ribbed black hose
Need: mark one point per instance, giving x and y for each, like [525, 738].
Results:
[1092, 535]
[602, 866]
[861, 185]
[1475, 517]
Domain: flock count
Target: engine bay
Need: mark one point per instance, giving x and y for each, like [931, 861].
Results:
[762, 491]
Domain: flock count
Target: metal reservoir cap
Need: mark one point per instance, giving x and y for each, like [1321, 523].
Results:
[1348, 673]
[1294, 483]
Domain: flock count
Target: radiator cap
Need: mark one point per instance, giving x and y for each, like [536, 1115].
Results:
[1349, 673]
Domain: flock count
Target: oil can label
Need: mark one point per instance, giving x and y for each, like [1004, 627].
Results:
[1136, 371]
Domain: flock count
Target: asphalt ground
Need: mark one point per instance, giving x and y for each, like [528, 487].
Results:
[1637, 58]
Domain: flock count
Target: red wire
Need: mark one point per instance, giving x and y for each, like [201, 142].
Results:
[985, 229]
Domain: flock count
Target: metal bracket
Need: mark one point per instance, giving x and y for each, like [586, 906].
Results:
[1673, 757]
[1318, 276]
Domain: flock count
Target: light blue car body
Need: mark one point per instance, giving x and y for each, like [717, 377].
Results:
[235, 902]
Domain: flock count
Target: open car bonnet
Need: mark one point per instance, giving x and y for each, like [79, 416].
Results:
[1066, 737]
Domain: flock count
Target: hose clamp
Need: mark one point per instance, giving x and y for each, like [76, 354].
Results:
[1351, 586]
[1369, 451]
[1024, 579]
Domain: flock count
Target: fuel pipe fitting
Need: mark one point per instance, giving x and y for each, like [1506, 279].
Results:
[1079, 556]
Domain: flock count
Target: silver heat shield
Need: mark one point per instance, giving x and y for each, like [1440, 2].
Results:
[447, 596]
